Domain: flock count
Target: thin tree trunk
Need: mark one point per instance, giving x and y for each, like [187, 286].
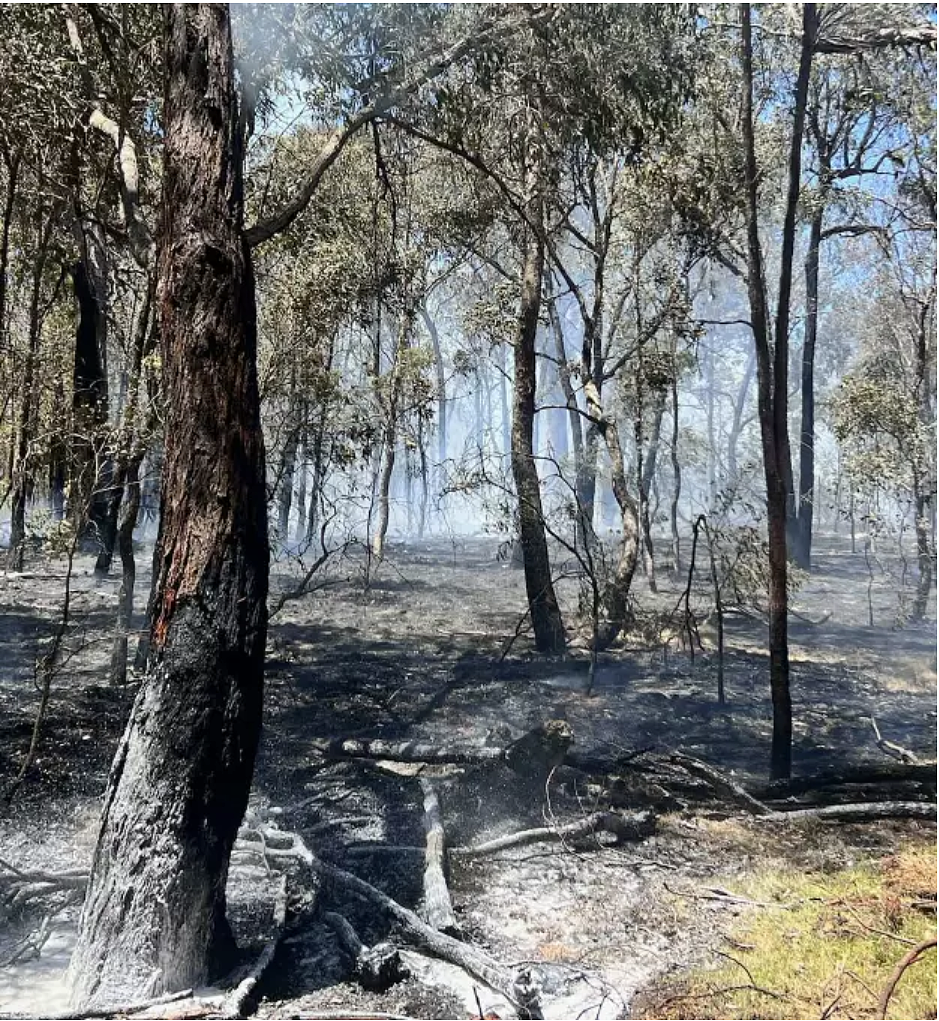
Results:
[127, 521]
[542, 601]
[130, 456]
[676, 480]
[23, 469]
[12, 163]
[772, 374]
[802, 551]
[300, 529]
[154, 915]
[645, 488]
[737, 425]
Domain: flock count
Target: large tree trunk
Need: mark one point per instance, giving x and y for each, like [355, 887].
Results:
[542, 601]
[802, 547]
[772, 375]
[154, 915]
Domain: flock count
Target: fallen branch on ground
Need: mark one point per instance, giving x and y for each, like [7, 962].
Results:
[910, 958]
[417, 932]
[858, 813]
[720, 782]
[635, 827]
[895, 751]
[438, 908]
[234, 1004]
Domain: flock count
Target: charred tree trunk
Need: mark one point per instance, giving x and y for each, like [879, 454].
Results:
[924, 483]
[772, 374]
[154, 915]
[542, 601]
[89, 411]
[802, 547]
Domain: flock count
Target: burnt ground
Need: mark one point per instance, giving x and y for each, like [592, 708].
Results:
[416, 653]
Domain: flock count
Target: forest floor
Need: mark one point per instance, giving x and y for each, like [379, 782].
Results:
[417, 653]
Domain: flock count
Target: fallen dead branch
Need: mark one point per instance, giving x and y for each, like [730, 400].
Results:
[235, 1003]
[406, 751]
[635, 827]
[858, 813]
[720, 782]
[438, 908]
[417, 932]
[909, 958]
[895, 751]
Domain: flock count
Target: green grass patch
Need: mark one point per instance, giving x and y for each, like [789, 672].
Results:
[818, 946]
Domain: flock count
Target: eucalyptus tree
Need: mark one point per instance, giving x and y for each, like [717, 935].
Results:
[576, 73]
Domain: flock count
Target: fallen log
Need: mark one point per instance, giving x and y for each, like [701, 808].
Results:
[923, 773]
[376, 968]
[858, 812]
[437, 907]
[413, 929]
[234, 1004]
[535, 753]
[635, 827]
[406, 751]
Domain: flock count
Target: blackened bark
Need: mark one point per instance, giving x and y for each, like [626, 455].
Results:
[802, 548]
[772, 375]
[89, 411]
[154, 915]
[542, 601]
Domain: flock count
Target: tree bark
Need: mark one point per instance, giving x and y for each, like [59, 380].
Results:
[802, 548]
[154, 916]
[772, 375]
[542, 601]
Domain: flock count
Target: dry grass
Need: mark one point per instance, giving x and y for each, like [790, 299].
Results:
[827, 954]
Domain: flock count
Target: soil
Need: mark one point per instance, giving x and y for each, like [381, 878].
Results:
[415, 648]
